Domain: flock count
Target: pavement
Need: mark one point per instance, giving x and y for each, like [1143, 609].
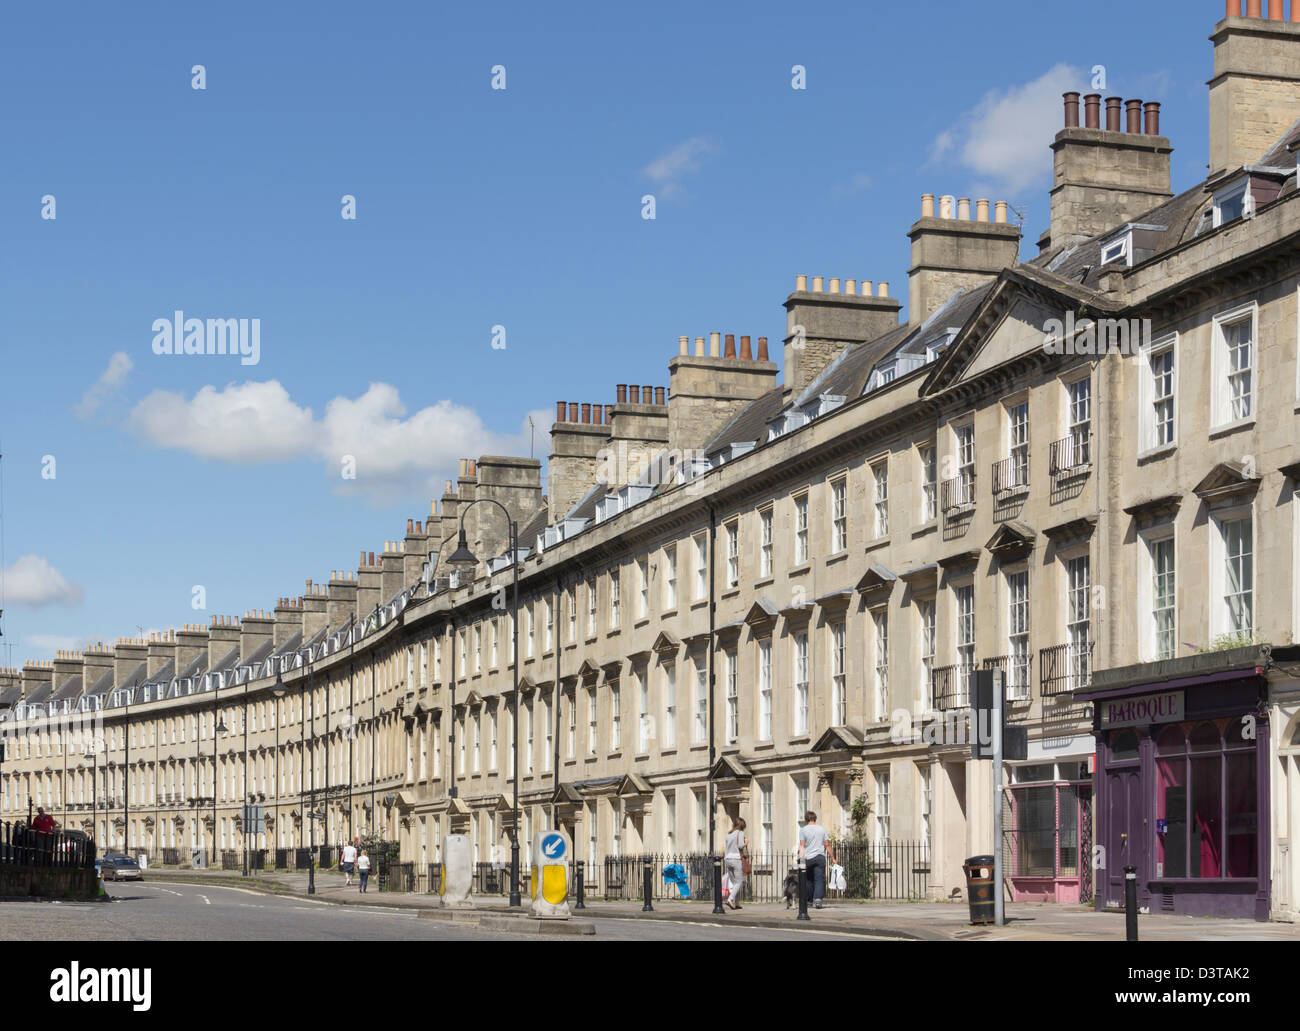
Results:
[915, 921]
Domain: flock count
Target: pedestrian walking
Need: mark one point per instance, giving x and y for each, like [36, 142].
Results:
[813, 843]
[363, 868]
[736, 858]
[44, 825]
[349, 861]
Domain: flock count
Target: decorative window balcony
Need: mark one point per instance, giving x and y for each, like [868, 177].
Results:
[1011, 475]
[1064, 669]
[1070, 457]
[957, 495]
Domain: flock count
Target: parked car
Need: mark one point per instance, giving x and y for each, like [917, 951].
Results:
[119, 868]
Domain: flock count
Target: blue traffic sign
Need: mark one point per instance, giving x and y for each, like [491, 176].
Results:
[553, 846]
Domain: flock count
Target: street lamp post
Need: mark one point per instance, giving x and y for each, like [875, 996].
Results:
[463, 557]
[218, 727]
[91, 753]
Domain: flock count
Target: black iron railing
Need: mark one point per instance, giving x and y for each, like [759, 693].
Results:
[892, 871]
[957, 494]
[20, 845]
[230, 859]
[1015, 668]
[434, 883]
[1064, 669]
[950, 687]
[171, 857]
[1070, 456]
[1011, 474]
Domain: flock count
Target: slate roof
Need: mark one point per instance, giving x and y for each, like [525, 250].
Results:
[750, 423]
[39, 694]
[70, 689]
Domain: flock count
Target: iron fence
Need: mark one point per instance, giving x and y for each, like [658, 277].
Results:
[22, 846]
[282, 859]
[896, 871]
[230, 859]
[433, 885]
[171, 857]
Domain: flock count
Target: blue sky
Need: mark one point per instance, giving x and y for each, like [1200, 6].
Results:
[475, 208]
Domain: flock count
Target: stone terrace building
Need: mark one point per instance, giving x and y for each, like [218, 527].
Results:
[742, 595]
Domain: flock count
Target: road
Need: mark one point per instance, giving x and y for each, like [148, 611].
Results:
[193, 912]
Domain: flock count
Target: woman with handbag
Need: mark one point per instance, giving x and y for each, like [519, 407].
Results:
[736, 859]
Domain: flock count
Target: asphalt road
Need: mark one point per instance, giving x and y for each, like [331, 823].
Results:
[190, 912]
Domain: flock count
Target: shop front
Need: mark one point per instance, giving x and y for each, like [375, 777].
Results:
[1182, 788]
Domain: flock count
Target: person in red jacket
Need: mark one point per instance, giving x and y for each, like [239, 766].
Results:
[44, 822]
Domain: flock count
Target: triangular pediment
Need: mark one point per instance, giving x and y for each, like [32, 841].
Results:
[729, 767]
[1011, 541]
[1013, 321]
[665, 644]
[566, 794]
[633, 786]
[761, 615]
[1225, 480]
[588, 669]
[877, 580]
[837, 739]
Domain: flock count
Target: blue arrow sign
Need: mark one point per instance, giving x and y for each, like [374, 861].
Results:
[553, 846]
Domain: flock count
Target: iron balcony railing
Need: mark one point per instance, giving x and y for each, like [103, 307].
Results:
[1015, 668]
[1070, 456]
[957, 494]
[950, 687]
[1064, 669]
[1011, 475]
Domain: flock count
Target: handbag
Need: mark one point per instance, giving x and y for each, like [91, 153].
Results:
[746, 866]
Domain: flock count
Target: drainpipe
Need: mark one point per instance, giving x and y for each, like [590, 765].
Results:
[712, 722]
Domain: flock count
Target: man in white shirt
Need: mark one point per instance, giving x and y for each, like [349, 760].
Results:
[349, 860]
[813, 843]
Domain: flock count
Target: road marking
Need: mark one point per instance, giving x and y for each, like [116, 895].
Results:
[170, 892]
[206, 901]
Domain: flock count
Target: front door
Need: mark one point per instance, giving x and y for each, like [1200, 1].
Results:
[1124, 839]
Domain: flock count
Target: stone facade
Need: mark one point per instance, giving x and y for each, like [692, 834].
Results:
[792, 624]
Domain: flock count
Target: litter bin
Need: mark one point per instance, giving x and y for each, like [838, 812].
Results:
[979, 888]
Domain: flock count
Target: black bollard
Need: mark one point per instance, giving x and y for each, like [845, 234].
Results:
[311, 877]
[803, 890]
[577, 877]
[717, 885]
[648, 887]
[1130, 903]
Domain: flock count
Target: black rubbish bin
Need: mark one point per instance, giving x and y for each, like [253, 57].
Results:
[979, 888]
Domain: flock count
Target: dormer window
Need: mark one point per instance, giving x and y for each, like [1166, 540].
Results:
[1117, 251]
[1232, 202]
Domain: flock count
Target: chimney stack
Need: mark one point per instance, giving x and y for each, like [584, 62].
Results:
[821, 324]
[1106, 177]
[1255, 91]
[954, 252]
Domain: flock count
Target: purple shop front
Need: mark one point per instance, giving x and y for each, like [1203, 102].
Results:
[1182, 793]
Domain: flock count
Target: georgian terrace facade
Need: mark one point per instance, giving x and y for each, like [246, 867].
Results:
[789, 618]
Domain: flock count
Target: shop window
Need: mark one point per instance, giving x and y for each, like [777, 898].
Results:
[1123, 745]
[1206, 812]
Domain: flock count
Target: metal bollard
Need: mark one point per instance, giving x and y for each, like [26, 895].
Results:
[311, 877]
[648, 887]
[803, 890]
[1130, 903]
[717, 885]
[577, 884]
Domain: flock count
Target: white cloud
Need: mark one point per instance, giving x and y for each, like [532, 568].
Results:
[394, 453]
[245, 422]
[110, 380]
[1006, 137]
[33, 581]
[669, 169]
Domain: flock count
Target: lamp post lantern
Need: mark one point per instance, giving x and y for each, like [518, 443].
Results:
[462, 557]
